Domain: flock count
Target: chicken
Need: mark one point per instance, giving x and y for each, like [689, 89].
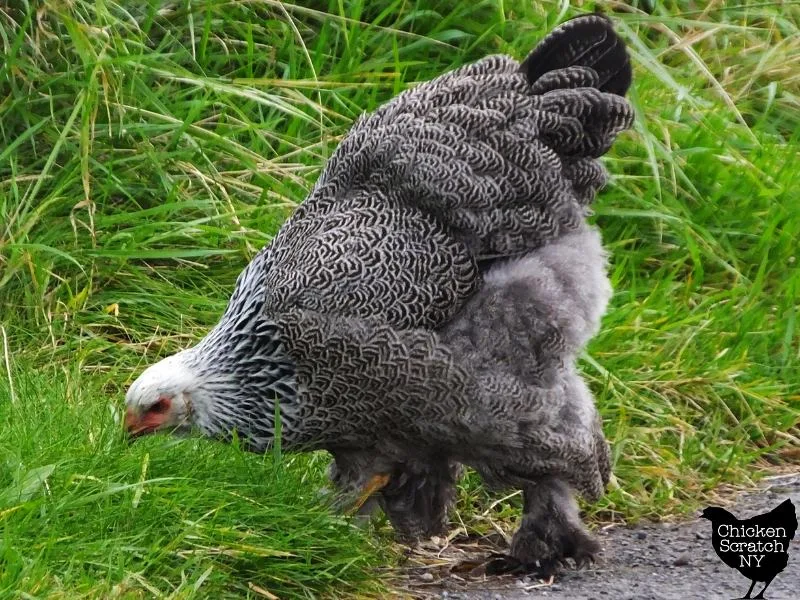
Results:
[757, 547]
[423, 308]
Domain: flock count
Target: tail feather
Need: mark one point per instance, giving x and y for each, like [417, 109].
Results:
[502, 154]
[585, 41]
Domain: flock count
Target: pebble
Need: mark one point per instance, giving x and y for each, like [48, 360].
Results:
[682, 560]
[641, 535]
[426, 577]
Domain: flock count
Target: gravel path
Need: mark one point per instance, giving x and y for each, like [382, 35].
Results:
[650, 562]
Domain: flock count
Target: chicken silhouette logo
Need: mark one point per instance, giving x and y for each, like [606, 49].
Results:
[757, 547]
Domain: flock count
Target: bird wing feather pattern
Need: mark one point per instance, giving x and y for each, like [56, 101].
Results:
[424, 306]
[475, 164]
[410, 387]
[380, 285]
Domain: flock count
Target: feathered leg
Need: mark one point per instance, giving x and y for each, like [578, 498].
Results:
[551, 532]
[416, 497]
[358, 477]
[417, 500]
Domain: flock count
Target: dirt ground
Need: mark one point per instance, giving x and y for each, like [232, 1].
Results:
[647, 562]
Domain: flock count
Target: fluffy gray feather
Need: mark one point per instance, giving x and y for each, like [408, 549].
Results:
[424, 306]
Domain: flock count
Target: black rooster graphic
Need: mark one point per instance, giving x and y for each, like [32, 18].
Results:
[757, 547]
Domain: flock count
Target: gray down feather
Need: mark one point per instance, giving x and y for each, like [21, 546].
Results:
[424, 306]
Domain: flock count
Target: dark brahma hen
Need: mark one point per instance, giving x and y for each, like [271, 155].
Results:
[424, 306]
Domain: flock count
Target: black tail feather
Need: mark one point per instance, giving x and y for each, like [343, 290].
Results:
[585, 41]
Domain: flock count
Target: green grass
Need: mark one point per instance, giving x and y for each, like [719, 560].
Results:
[84, 514]
[147, 153]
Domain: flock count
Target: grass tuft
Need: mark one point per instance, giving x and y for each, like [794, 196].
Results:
[84, 514]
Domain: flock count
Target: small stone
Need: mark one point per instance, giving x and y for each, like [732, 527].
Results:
[641, 535]
[700, 535]
[426, 576]
[436, 540]
[682, 560]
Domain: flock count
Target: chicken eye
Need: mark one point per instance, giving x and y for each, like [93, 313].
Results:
[163, 405]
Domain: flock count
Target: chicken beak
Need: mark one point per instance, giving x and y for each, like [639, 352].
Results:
[133, 424]
[137, 425]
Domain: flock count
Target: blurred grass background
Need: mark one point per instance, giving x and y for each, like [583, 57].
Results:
[149, 149]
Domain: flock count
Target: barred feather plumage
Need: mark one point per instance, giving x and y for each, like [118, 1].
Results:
[425, 305]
